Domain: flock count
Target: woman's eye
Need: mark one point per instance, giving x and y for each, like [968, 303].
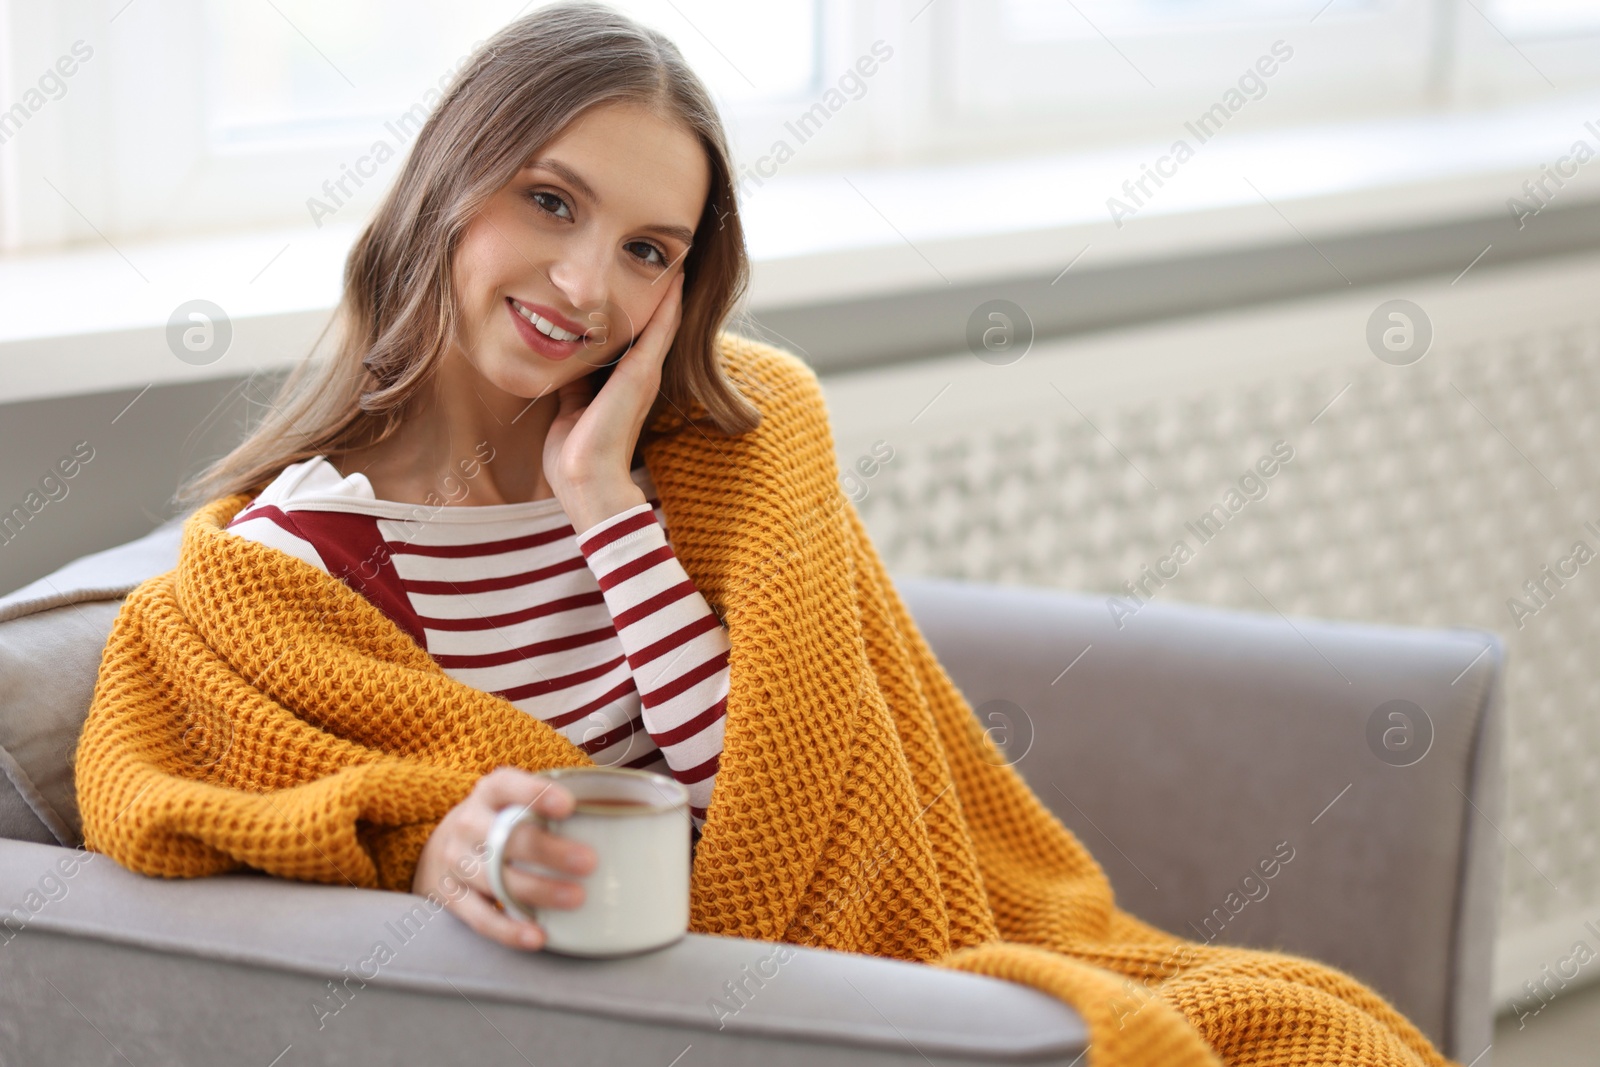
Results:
[535, 197]
[561, 211]
[661, 257]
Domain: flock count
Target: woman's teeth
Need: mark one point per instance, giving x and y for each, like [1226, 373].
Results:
[545, 326]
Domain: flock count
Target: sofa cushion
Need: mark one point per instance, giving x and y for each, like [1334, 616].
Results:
[52, 633]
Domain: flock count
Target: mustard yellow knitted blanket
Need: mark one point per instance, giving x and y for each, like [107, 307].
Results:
[253, 711]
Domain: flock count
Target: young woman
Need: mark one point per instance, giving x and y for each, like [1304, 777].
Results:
[550, 267]
[538, 298]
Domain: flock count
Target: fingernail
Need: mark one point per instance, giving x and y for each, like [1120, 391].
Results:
[530, 938]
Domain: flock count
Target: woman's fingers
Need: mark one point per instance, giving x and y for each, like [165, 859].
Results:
[663, 324]
[655, 339]
[505, 786]
[482, 916]
[539, 891]
[546, 887]
[530, 843]
[527, 843]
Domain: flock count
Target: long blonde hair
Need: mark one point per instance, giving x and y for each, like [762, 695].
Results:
[397, 316]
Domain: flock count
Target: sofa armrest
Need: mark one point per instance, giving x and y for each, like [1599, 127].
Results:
[260, 963]
[1190, 745]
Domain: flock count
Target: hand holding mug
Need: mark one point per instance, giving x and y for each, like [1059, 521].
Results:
[452, 865]
[637, 897]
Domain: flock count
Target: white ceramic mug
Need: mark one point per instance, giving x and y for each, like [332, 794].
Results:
[637, 896]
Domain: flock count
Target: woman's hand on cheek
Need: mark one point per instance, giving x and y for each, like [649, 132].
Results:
[589, 448]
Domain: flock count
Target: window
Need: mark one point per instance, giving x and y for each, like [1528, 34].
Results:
[198, 115]
[192, 116]
[1043, 19]
[299, 71]
[1521, 47]
[1098, 71]
[1535, 19]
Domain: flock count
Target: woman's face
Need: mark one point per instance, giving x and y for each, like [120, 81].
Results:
[587, 236]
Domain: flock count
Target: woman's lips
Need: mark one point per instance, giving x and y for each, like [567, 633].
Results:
[549, 314]
[541, 343]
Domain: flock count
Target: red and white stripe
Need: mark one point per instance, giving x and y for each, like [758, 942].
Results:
[601, 634]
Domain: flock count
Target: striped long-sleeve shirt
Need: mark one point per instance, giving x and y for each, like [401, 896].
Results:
[599, 633]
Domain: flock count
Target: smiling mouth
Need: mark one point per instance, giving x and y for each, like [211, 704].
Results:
[544, 325]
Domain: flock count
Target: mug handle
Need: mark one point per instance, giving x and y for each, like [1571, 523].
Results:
[509, 818]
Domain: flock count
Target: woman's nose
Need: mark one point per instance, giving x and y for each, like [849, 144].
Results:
[582, 276]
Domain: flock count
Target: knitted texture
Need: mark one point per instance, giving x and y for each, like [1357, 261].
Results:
[254, 712]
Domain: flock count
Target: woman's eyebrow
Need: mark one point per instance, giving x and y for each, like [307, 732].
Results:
[572, 177]
[682, 233]
[576, 180]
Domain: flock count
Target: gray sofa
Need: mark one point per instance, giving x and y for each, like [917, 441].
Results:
[1189, 750]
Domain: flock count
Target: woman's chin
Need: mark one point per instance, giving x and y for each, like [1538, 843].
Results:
[526, 375]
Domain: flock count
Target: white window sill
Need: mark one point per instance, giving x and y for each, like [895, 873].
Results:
[93, 319]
